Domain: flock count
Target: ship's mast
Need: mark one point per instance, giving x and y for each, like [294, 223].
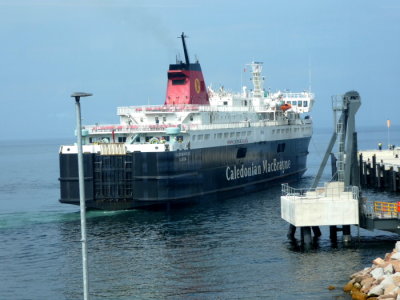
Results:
[183, 36]
[257, 79]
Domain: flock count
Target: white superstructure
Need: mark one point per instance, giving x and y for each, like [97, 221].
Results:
[231, 118]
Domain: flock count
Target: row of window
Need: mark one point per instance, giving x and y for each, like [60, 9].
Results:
[287, 130]
[220, 135]
[199, 137]
[298, 103]
[121, 139]
[242, 134]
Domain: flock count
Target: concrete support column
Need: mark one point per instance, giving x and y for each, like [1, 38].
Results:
[306, 239]
[291, 232]
[346, 233]
[333, 233]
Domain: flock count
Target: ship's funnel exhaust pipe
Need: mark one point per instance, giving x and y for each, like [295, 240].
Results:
[185, 49]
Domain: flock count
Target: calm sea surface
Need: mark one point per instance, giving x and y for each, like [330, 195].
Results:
[225, 249]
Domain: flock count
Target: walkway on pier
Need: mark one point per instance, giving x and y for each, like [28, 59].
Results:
[387, 157]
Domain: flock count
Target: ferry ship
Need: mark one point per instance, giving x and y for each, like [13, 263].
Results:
[202, 142]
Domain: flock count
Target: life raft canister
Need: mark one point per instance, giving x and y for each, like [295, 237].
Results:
[286, 106]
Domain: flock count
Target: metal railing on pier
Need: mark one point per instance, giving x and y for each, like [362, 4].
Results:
[381, 210]
[350, 192]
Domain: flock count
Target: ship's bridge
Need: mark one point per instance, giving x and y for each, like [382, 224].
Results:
[300, 102]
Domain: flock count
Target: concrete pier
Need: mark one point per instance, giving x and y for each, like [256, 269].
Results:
[380, 169]
[329, 205]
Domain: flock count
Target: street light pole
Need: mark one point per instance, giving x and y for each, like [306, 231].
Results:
[81, 175]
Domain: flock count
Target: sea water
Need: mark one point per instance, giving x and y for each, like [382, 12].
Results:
[225, 249]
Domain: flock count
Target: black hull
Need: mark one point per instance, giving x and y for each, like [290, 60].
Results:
[140, 179]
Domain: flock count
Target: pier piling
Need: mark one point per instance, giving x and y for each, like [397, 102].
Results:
[380, 169]
[291, 232]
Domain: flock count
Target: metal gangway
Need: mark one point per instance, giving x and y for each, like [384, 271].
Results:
[380, 215]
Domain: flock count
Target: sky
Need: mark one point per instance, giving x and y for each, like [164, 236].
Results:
[120, 50]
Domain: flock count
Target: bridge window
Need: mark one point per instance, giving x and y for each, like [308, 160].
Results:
[305, 103]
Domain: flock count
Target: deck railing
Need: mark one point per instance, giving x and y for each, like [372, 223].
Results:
[184, 127]
[186, 108]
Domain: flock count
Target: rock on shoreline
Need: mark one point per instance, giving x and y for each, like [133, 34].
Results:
[380, 281]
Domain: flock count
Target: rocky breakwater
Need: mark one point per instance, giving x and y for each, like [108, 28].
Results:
[380, 281]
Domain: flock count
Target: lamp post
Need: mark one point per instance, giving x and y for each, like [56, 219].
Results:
[77, 97]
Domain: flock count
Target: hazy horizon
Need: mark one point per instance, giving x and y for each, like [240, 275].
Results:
[120, 52]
